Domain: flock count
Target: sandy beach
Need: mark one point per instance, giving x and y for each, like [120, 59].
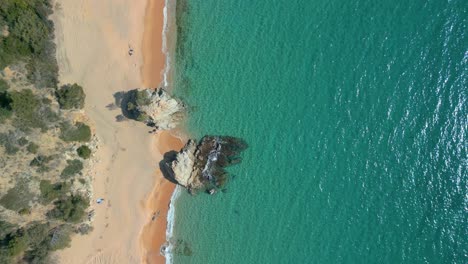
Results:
[93, 39]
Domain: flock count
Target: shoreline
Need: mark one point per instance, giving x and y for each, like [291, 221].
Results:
[154, 72]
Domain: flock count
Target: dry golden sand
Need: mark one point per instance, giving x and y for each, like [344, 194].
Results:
[93, 39]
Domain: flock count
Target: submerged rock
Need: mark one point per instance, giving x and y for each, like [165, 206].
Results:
[202, 166]
[155, 107]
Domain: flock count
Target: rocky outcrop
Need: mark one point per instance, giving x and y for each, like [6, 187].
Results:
[202, 166]
[155, 107]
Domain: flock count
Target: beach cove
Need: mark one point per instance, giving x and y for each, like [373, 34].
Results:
[93, 42]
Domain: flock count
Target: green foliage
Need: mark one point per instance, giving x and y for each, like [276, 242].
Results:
[71, 96]
[24, 211]
[74, 166]
[30, 39]
[142, 98]
[25, 106]
[9, 142]
[70, 209]
[60, 238]
[22, 141]
[50, 192]
[137, 98]
[41, 162]
[17, 197]
[6, 228]
[36, 233]
[32, 148]
[84, 152]
[3, 86]
[17, 244]
[5, 106]
[80, 132]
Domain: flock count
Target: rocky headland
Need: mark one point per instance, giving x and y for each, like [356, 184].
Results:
[198, 166]
[201, 166]
[155, 107]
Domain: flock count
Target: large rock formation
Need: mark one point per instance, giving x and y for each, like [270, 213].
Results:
[156, 108]
[202, 166]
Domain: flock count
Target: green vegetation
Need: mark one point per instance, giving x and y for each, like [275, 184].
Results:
[84, 152]
[5, 106]
[26, 112]
[70, 209]
[137, 98]
[9, 142]
[36, 241]
[71, 96]
[17, 197]
[3, 86]
[50, 192]
[30, 39]
[79, 132]
[41, 162]
[74, 166]
[32, 148]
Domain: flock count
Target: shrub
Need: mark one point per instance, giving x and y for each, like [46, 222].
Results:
[71, 96]
[9, 142]
[17, 244]
[41, 162]
[22, 141]
[3, 86]
[24, 211]
[80, 132]
[32, 148]
[36, 233]
[60, 238]
[84, 152]
[5, 106]
[50, 192]
[25, 106]
[6, 228]
[74, 166]
[30, 39]
[70, 209]
[17, 197]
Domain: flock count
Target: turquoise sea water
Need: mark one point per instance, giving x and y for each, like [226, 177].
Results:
[356, 117]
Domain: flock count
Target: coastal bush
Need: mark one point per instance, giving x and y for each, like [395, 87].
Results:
[71, 96]
[17, 197]
[50, 192]
[5, 106]
[60, 237]
[24, 211]
[79, 132]
[3, 86]
[25, 106]
[30, 39]
[73, 167]
[22, 141]
[41, 162]
[6, 228]
[84, 152]
[69, 209]
[17, 244]
[32, 148]
[9, 142]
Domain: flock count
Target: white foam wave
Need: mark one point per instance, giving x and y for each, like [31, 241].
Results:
[165, 51]
[170, 225]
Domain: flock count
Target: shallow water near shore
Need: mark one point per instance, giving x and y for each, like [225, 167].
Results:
[355, 115]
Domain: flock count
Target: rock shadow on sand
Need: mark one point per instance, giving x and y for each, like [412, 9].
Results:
[165, 166]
